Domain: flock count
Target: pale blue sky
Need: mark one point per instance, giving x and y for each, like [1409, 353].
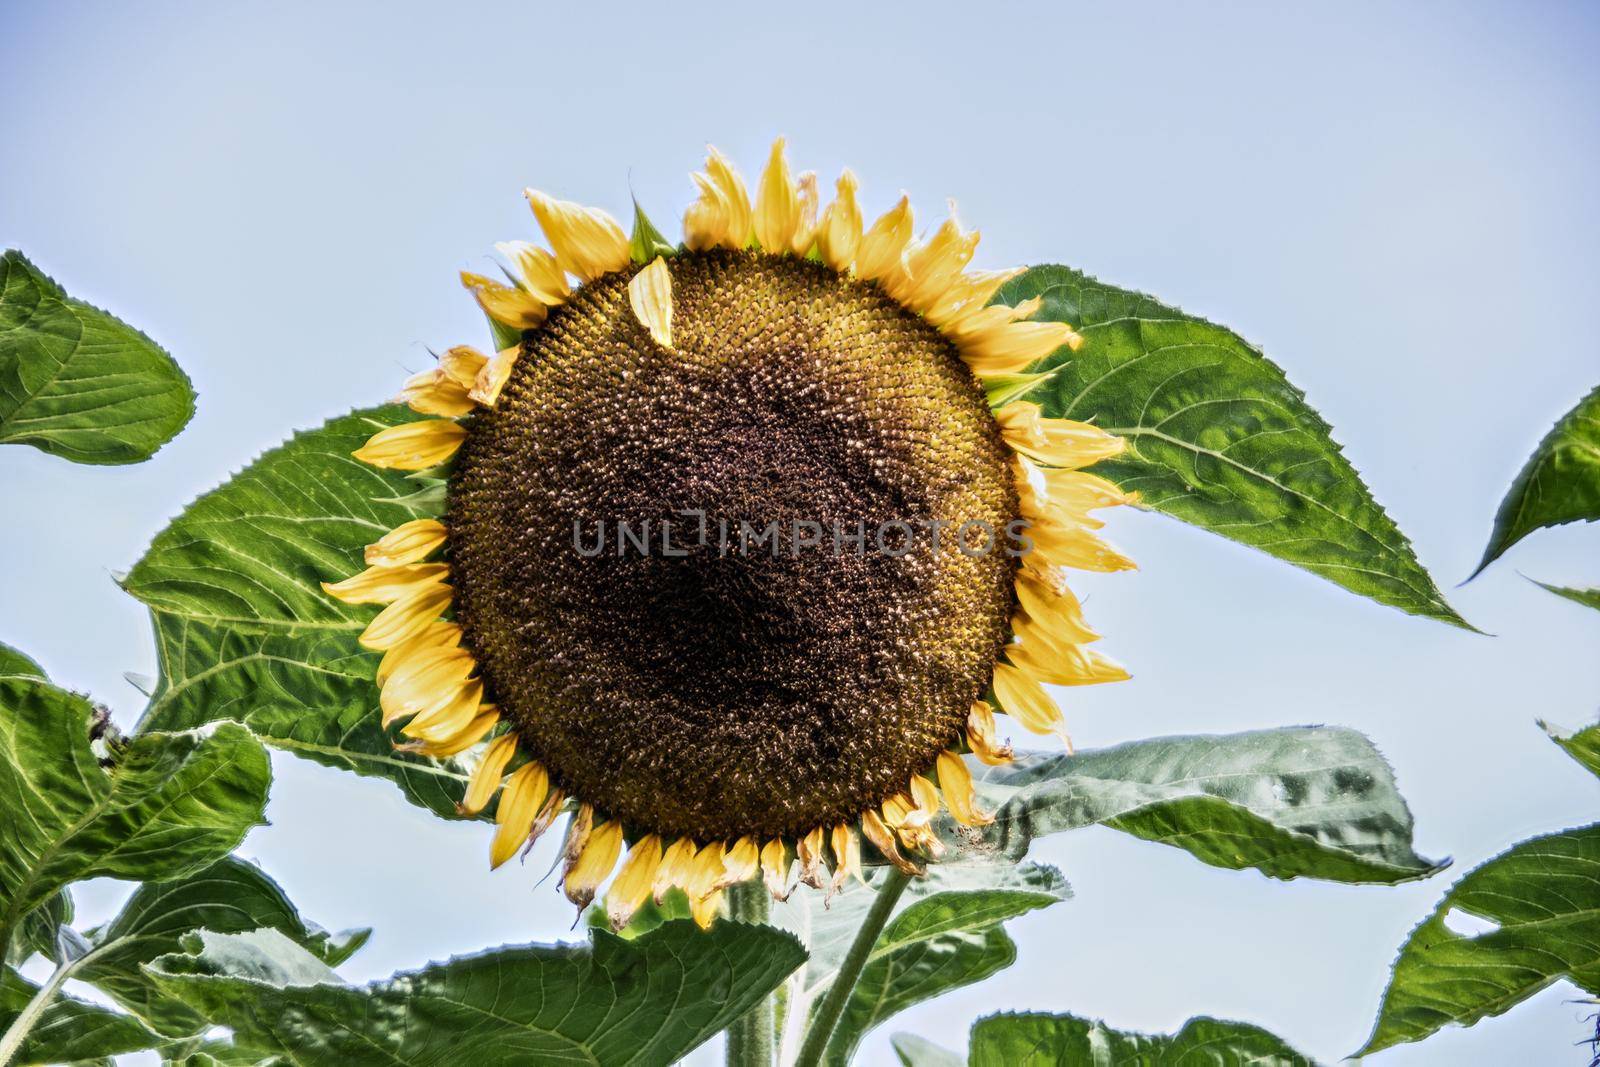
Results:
[1396, 202]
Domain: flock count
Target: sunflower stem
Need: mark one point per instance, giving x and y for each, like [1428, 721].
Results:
[23, 1024]
[832, 1007]
[750, 1038]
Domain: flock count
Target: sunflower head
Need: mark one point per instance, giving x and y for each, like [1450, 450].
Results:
[737, 561]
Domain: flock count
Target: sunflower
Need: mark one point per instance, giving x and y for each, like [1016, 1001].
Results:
[712, 711]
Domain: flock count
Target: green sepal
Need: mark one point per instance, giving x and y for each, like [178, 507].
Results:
[647, 242]
[1002, 389]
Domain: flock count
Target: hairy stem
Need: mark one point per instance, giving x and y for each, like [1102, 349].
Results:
[750, 1038]
[844, 983]
[17, 1033]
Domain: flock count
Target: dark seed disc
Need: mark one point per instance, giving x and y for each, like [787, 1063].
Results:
[710, 685]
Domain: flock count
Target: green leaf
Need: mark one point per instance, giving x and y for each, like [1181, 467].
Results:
[647, 242]
[172, 804]
[1219, 437]
[70, 1030]
[1300, 802]
[914, 1051]
[250, 554]
[311, 694]
[38, 930]
[78, 383]
[646, 1001]
[16, 665]
[944, 933]
[1559, 484]
[233, 896]
[243, 628]
[1544, 894]
[1039, 1040]
[1589, 598]
[1582, 745]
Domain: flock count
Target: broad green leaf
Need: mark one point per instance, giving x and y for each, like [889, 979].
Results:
[646, 1001]
[70, 1030]
[1544, 894]
[1219, 437]
[15, 664]
[38, 930]
[1589, 598]
[172, 803]
[78, 383]
[1040, 1040]
[1582, 745]
[209, 1053]
[944, 933]
[310, 694]
[647, 242]
[914, 1051]
[250, 553]
[245, 632]
[1559, 484]
[1300, 802]
[233, 896]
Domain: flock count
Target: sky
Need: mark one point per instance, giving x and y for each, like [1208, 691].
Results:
[1396, 202]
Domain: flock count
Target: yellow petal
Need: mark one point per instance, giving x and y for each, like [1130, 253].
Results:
[385, 585]
[509, 304]
[462, 364]
[775, 866]
[1054, 442]
[955, 782]
[1058, 545]
[519, 805]
[468, 736]
[884, 244]
[674, 868]
[413, 446]
[632, 886]
[705, 909]
[432, 392]
[740, 220]
[808, 850]
[587, 241]
[427, 680]
[1012, 347]
[1064, 664]
[1022, 698]
[1056, 613]
[805, 232]
[485, 780]
[839, 232]
[704, 871]
[493, 375]
[982, 737]
[706, 221]
[777, 203]
[594, 864]
[536, 271]
[873, 829]
[925, 794]
[406, 617]
[846, 857]
[434, 635]
[740, 863]
[449, 717]
[407, 543]
[650, 297]
[968, 295]
[932, 267]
